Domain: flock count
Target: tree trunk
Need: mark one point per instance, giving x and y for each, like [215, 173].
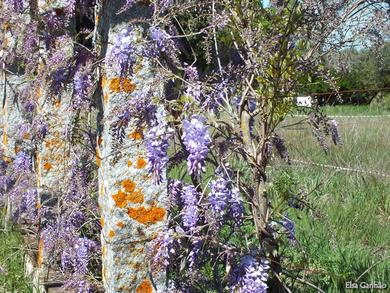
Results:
[132, 206]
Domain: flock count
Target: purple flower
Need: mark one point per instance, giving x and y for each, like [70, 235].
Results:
[175, 188]
[22, 162]
[225, 199]
[165, 244]
[236, 207]
[190, 211]
[23, 130]
[255, 275]
[17, 5]
[59, 79]
[164, 4]
[193, 256]
[191, 73]
[290, 228]
[40, 128]
[157, 142]
[30, 203]
[83, 84]
[163, 41]
[196, 140]
[219, 196]
[121, 57]
[194, 90]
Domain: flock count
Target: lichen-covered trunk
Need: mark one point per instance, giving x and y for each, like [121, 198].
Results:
[132, 206]
[52, 157]
[10, 119]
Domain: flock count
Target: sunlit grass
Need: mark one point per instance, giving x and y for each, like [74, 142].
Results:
[12, 277]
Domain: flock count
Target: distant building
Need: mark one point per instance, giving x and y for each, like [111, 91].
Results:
[305, 101]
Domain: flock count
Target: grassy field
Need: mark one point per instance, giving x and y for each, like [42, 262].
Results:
[355, 110]
[343, 233]
[12, 277]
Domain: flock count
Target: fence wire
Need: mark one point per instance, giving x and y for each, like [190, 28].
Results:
[340, 168]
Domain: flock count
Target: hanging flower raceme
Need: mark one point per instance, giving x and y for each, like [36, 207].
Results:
[196, 140]
[189, 197]
[289, 226]
[83, 83]
[121, 57]
[225, 200]
[236, 207]
[22, 162]
[157, 142]
[254, 275]
[219, 196]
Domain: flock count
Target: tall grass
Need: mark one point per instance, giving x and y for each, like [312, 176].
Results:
[12, 278]
[343, 233]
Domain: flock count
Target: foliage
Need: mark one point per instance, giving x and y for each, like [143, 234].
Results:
[12, 277]
[231, 70]
[358, 76]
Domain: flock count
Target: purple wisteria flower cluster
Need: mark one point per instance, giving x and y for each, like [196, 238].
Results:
[289, 226]
[190, 197]
[83, 85]
[196, 140]
[157, 143]
[225, 200]
[22, 162]
[121, 56]
[255, 275]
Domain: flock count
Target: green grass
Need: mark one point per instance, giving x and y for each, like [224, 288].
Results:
[355, 110]
[12, 277]
[344, 234]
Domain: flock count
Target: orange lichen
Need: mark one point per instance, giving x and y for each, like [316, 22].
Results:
[7, 159]
[55, 142]
[104, 272]
[135, 197]
[5, 140]
[141, 163]
[129, 163]
[99, 140]
[145, 216]
[40, 252]
[121, 84]
[120, 199]
[47, 166]
[38, 206]
[144, 287]
[98, 158]
[103, 250]
[111, 233]
[104, 81]
[120, 224]
[6, 26]
[26, 135]
[106, 97]
[57, 104]
[102, 221]
[39, 93]
[128, 185]
[135, 135]
[17, 149]
[146, 177]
